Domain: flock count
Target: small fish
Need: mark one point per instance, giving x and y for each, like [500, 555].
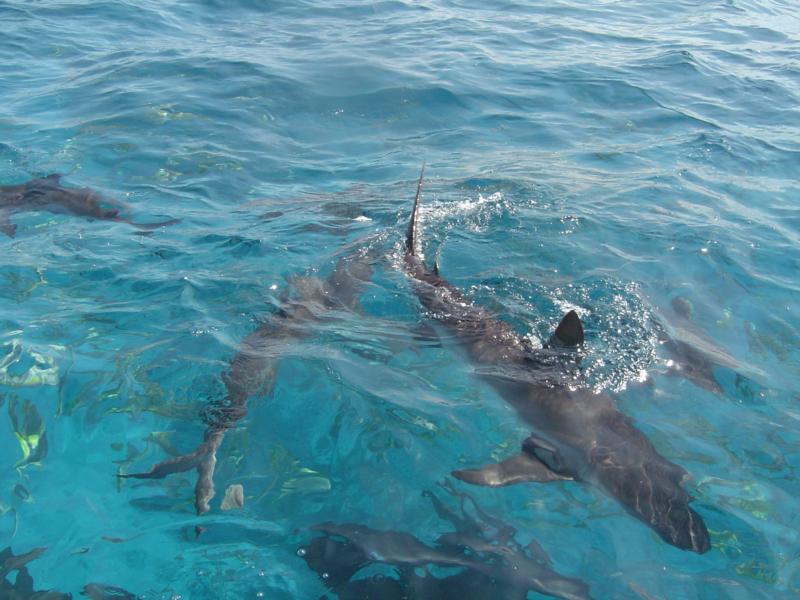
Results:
[113, 540]
[21, 492]
[305, 485]
[101, 591]
[29, 430]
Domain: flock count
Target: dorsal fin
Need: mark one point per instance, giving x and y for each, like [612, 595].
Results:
[24, 583]
[411, 235]
[569, 332]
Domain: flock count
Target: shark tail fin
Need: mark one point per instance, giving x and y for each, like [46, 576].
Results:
[411, 235]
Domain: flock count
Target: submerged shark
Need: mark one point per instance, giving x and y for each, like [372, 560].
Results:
[579, 434]
[22, 587]
[692, 355]
[490, 563]
[47, 193]
[252, 370]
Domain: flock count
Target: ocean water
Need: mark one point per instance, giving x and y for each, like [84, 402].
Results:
[620, 158]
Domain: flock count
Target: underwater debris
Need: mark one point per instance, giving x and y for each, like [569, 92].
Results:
[234, 497]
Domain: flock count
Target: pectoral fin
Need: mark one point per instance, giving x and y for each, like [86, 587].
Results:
[516, 469]
[545, 452]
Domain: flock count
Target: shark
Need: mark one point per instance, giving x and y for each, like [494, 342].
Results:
[481, 560]
[22, 586]
[691, 354]
[577, 434]
[253, 369]
[47, 194]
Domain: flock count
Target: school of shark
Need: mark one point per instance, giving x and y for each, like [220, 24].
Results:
[578, 436]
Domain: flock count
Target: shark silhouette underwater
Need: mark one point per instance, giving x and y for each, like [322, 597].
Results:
[578, 434]
[22, 587]
[253, 369]
[480, 560]
[47, 194]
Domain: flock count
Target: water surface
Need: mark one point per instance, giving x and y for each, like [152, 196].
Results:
[605, 156]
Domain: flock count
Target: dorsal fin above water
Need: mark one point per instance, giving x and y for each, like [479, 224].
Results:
[411, 235]
[569, 332]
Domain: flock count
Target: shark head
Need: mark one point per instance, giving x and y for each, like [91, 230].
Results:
[624, 463]
[48, 193]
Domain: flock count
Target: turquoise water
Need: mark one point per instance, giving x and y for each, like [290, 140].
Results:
[608, 156]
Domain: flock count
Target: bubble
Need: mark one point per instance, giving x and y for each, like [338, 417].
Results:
[325, 575]
[301, 552]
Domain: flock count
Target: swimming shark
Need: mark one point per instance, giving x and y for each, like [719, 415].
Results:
[691, 354]
[22, 587]
[47, 193]
[253, 369]
[491, 563]
[578, 434]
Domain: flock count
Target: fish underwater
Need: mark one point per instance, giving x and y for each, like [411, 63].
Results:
[578, 434]
[47, 194]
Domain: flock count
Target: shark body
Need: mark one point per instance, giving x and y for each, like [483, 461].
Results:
[253, 368]
[578, 434]
[47, 194]
[483, 551]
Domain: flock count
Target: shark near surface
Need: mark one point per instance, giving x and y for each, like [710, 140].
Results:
[579, 434]
[253, 368]
[47, 194]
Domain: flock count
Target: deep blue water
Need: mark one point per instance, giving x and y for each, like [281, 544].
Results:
[606, 156]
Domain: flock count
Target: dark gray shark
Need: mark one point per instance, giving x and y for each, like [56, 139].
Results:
[491, 563]
[46, 193]
[579, 435]
[22, 587]
[252, 370]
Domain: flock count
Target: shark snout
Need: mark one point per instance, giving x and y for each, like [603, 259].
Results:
[652, 492]
[686, 530]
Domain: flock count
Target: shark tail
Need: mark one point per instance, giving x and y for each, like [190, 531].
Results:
[203, 459]
[411, 235]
